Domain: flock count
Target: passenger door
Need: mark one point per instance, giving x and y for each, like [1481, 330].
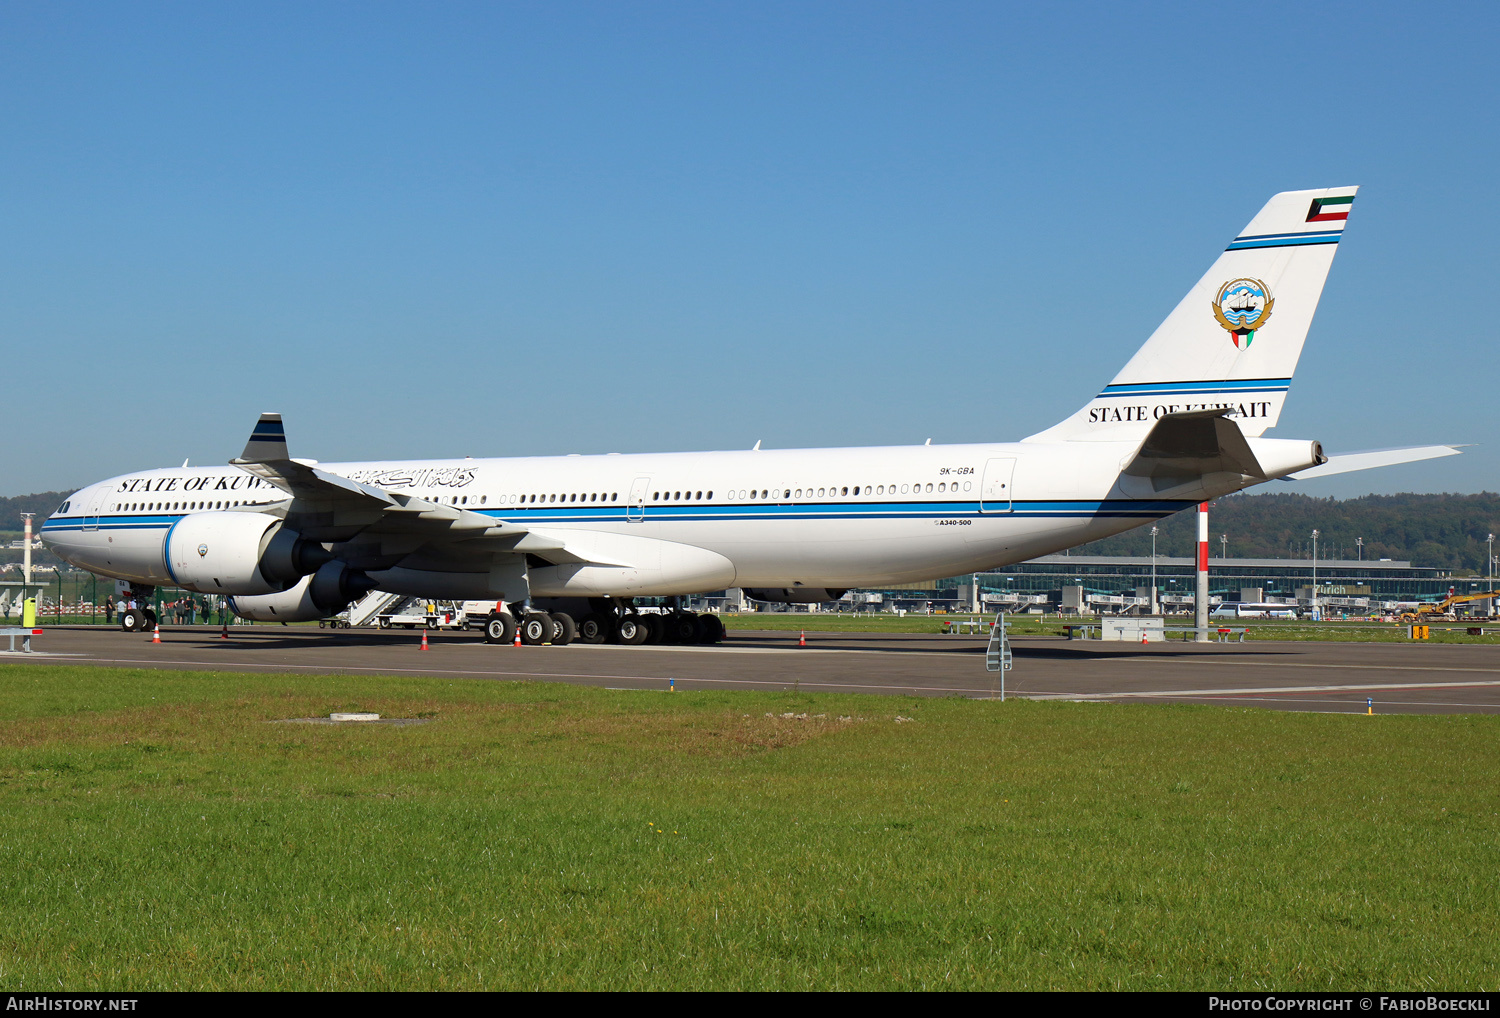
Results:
[635, 509]
[96, 507]
[995, 494]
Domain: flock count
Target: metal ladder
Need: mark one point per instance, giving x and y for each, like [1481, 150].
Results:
[363, 611]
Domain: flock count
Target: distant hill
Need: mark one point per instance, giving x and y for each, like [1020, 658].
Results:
[43, 503]
[1442, 531]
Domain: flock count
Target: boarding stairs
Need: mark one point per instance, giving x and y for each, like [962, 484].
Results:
[376, 602]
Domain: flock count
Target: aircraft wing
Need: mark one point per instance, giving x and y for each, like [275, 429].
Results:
[326, 507]
[1343, 463]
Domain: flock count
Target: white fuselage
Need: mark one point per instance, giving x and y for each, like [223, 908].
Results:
[819, 518]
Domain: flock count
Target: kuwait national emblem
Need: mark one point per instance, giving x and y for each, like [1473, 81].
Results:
[1242, 307]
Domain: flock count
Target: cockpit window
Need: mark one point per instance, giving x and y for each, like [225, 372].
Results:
[62, 510]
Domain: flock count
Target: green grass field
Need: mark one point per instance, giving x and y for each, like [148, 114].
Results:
[1031, 625]
[158, 832]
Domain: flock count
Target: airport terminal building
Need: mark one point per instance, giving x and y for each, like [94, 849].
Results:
[1054, 580]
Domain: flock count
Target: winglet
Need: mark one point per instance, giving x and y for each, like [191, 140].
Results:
[267, 442]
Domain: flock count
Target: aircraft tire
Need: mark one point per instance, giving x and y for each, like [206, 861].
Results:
[711, 627]
[564, 630]
[630, 631]
[536, 629]
[593, 628]
[150, 619]
[132, 620]
[655, 632]
[681, 627]
[500, 628]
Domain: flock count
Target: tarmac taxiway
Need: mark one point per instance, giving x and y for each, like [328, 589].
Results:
[1333, 677]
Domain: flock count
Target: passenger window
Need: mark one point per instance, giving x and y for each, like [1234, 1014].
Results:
[698, 496]
[710, 496]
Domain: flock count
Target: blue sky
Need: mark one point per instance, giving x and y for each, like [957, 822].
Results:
[507, 229]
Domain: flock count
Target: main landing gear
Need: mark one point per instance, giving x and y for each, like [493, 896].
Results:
[633, 629]
[622, 626]
[536, 628]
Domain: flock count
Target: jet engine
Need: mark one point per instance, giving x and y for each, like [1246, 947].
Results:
[794, 595]
[238, 553]
[325, 592]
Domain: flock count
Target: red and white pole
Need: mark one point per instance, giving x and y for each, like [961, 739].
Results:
[1200, 593]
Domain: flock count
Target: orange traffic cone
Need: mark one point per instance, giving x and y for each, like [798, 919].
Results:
[518, 635]
[224, 632]
[156, 634]
[802, 640]
[1143, 636]
[424, 640]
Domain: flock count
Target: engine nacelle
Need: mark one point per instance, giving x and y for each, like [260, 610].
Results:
[325, 592]
[794, 595]
[222, 552]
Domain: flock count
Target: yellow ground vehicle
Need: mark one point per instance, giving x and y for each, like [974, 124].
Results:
[1442, 611]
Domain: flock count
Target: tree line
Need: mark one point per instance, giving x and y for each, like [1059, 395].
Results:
[1444, 531]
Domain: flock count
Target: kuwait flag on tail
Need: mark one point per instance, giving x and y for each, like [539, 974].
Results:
[1327, 210]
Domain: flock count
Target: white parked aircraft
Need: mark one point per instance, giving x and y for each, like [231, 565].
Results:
[1183, 422]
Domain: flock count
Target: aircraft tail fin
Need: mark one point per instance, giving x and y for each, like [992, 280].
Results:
[1234, 340]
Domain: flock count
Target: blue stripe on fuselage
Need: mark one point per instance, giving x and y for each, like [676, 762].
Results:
[732, 512]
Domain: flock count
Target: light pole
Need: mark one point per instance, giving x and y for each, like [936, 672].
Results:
[1223, 546]
[1153, 570]
[1359, 547]
[1315, 576]
[1490, 568]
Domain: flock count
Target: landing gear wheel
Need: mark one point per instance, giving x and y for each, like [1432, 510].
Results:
[593, 628]
[630, 631]
[385, 623]
[500, 628]
[132, 620]
[563, 629]
[536, 629]
[655, 631]
[681, 627]
[150, 619]
[711, 628]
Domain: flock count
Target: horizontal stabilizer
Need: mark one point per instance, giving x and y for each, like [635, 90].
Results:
[1345, 463]
[1183, 446]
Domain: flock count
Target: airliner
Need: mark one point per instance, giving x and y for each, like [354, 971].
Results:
[564, 545]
